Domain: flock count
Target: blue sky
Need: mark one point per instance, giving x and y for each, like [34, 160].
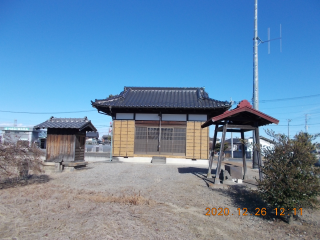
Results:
[56, 56]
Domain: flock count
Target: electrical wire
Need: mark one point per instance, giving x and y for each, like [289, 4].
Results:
[234, 102]
[293, 106]
[282, 99]
[286, 99]
[48, 112]
[294, 125]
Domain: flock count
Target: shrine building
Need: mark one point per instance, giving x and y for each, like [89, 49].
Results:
[161, 121]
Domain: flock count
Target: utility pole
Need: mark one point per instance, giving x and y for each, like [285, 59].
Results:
[256, 42]
[289, 120]
[255, 98]
[306, 123]
[255, 59]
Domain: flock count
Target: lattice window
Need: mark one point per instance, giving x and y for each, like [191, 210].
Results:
[172, 142]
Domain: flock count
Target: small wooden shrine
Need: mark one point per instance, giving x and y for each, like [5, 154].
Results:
[241, 119]
[66, 138]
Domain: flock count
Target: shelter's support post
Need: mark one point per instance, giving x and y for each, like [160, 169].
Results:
[255, 163]
[212, 151]
[258, 152]
[111, 141]
[243, 155]
[159, 140]
[220, 158]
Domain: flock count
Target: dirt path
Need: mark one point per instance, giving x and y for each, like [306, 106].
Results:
[139, 201]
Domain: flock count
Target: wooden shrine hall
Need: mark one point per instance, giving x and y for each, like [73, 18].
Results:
[241, 119]
[66, 138]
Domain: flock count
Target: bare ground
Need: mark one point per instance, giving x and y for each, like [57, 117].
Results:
[138, 201]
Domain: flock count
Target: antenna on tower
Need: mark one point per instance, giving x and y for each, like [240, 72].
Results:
[269, 40]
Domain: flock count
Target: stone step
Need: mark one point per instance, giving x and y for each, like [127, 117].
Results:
[159, 160]
[74, 163]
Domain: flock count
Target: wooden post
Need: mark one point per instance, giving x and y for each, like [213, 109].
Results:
[220, 158]
[159, 145]
[255, 160]
[212, 151]
[258, 152]
[243, 156]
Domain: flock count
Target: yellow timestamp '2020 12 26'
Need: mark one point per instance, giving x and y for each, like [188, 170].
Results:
[244, 211]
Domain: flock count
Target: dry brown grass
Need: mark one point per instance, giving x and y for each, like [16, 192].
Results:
[86, 205]
[124, 198]
[54, 211]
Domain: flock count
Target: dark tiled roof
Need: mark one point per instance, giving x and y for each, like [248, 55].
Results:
[75, 123]
[92, 135]
[160, 97]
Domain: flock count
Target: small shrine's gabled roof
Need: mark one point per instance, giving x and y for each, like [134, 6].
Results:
[161, 97]
[71, 123]
[243, 114]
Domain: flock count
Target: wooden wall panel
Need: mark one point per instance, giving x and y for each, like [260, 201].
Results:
[190, 140]
[123, 138]
[116, 151]
[197, 141]
[130, 139]
[60, 147]
[116, 127]
[116, 138]
[79, 147]
[204, 143]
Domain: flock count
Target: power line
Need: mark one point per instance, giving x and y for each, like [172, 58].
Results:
[283, 99]
[286, 99]
[234, 102]
[296, 125]
[313, 114]
[96, 110]
[282, 112]
[294, 106]
[49, 112]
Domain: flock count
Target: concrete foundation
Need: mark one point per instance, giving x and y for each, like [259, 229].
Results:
[68, 169]
[176, 161]
[52, 167]
[49, 167]
[234, 171]
[96, 157]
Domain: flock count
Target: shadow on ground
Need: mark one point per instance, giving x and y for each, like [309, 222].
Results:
[200, 173]
[249, 202]
[195, 170]
[18, 182]
[81, 168]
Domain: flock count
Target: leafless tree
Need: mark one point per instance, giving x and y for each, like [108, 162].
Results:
[18, 159]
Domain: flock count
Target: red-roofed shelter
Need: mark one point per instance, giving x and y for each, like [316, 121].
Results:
[241, 119]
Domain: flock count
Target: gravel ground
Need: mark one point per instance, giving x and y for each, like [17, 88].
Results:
[139, 201]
